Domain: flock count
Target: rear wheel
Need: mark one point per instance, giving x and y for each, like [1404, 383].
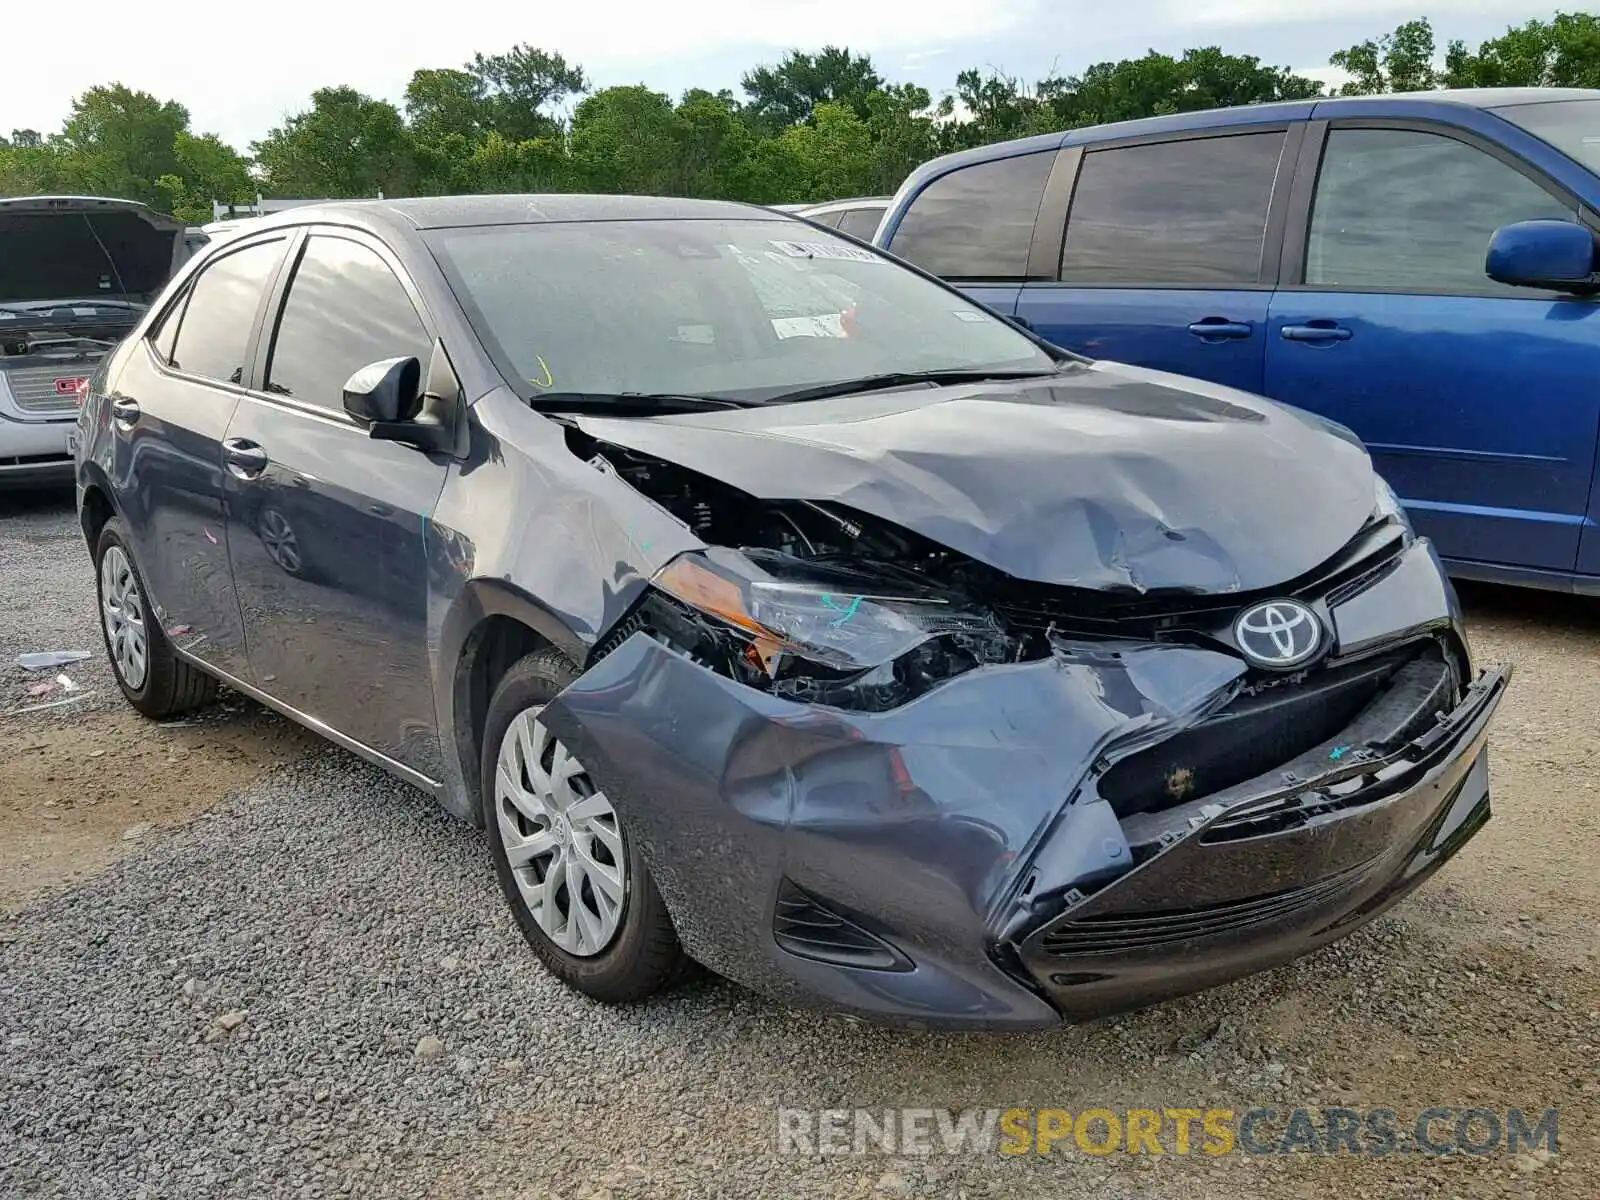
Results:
[579, 888]
[151, 676]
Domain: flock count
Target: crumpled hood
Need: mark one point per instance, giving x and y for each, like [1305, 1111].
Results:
[81, 247]
[1106, 476]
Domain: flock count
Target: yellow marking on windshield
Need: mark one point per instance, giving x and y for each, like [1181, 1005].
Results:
[549, 379]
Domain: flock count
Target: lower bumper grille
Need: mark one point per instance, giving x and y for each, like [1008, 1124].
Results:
[807, 928]
[1121, 933]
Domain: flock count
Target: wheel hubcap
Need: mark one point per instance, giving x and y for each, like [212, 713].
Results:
[122, 612]
[561, 838]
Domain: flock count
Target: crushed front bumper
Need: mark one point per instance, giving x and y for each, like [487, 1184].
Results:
[950, 863]
[1266, 878]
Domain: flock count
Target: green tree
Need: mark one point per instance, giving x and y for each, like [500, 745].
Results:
[345, 145]
[715, 143]
[789, 93]
[996, 107]
[30, 169]
[904, 133]
[521, 84]
[828, 158]
[440, 102]
[1401, 61]
[1562, 52]
[120, 142]
[627, 139]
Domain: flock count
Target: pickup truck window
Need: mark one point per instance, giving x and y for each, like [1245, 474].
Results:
[1404, 209]
[1191, 211]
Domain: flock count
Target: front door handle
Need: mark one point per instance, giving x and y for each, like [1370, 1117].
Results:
[1219, 329]
[124, 410]
[1315, 331]
[244, 458]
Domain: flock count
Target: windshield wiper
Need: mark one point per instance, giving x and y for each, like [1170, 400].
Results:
[891, 379]
[630, 403]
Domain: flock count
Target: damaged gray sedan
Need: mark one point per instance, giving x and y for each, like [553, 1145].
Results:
[773, 606]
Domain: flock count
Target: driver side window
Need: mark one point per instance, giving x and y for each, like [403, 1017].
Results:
[1408, 210]
[345, 309]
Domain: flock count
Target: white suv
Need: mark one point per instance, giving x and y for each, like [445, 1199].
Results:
[76, 273]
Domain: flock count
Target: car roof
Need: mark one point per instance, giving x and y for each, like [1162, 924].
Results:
[1244, 114]
[848, 202]
[443, 212]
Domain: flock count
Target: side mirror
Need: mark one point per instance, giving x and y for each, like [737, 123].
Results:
[1558, 255]
[384, 392]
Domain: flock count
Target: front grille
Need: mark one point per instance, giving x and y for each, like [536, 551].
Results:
[1254, 733]
[1035, 608]
[34, 388]
[805, 926]
[1119, 933]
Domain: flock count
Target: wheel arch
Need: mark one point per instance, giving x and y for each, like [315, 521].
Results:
[492, 625]
[96, 506]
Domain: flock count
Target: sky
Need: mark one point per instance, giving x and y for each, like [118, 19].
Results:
[243, 69]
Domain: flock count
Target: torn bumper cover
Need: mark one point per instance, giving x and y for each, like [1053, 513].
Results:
[964, 860]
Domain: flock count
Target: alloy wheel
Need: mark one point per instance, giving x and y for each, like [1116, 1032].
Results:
[561, 839]
[122, 612]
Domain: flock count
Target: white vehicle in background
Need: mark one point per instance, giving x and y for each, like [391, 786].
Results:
[76, 274]
[856, 217]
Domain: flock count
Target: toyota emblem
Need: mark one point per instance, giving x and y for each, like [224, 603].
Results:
[1278, 634]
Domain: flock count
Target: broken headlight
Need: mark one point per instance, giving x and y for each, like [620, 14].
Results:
[822, 632]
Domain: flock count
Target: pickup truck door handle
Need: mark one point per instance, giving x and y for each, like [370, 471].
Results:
[1315, 331]
[1219, 329]
[244, 458]
[124, 410]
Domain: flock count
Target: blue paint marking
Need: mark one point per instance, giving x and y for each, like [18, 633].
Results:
[1338, 752]
[855, 603]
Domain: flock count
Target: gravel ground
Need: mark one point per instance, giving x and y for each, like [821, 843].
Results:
[234, 1009]
[44, 571]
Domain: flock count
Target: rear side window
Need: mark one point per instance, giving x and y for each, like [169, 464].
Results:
[221, 310]
[345, 309]
[977, 222]
[1405, 209]
[860, 222]
[1193, 212]
[165, 336]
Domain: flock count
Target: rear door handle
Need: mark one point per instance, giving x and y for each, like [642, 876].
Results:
[1221, 330]
[1315, 331]
[124, 410]
[244, 458]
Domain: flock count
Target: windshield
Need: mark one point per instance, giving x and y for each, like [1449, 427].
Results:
[1571, 126]
[744, 309]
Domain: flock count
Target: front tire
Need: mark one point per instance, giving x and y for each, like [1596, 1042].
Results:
[152, 677]
[577, 885]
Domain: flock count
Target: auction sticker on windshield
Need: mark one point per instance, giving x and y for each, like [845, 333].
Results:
[826, 250]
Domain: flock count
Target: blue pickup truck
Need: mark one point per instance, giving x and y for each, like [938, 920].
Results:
[1420, 268]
